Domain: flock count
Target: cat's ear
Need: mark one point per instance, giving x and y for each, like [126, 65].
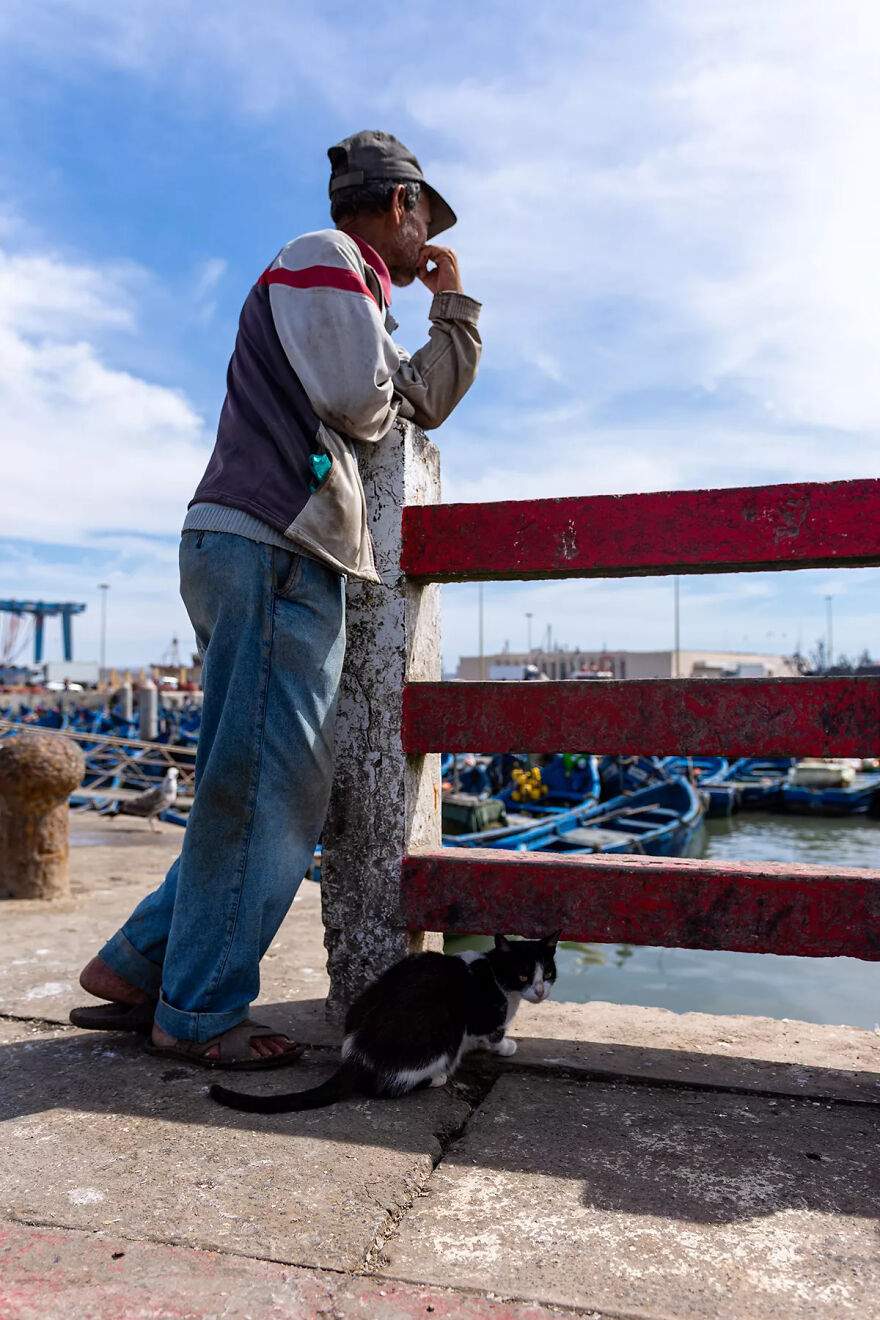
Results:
[502, 943]
[551, 941]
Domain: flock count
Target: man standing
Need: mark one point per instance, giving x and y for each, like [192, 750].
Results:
[276, 524]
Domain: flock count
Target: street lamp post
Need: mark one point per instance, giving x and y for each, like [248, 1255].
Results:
[829, 633]
[528, 632]
[103, 587]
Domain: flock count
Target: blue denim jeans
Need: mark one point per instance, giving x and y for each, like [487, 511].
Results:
[270, 626]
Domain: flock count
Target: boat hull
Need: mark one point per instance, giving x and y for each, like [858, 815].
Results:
[858, 798]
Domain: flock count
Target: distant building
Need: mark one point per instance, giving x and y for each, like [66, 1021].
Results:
[84, 672]
[629, 664]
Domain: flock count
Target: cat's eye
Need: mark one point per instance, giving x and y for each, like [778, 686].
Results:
[524, 977]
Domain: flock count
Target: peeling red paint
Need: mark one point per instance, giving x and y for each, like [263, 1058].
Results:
[663, 717]
[797, 525]
[761, 907]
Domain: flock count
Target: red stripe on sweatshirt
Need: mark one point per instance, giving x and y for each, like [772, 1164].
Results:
[317, 277]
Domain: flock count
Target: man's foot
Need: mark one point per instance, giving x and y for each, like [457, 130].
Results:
[97, 978]
[261, 1047]
[100, 981]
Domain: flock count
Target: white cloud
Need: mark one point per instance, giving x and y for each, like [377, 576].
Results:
[692, 206]
[86, 446]
[98, 463]
[40, 294]
[205, 288]
[536, 456]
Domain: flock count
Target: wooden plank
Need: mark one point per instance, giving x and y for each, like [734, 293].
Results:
[763, 907]
[664, 717]
[797, 525]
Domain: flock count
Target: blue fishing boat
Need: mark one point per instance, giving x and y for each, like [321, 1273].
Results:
[468, 773]
[658, 821]
[759, 780]
[707, 773]
[628, 774]
[519, 830]
[563, 782]
[830, 789]
[491, 793]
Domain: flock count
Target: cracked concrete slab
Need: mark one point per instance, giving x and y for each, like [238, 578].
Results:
[100, 1136]
[655, 1202]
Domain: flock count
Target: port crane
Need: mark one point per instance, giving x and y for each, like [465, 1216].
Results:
[42, 610]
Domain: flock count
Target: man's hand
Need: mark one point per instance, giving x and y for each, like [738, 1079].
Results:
[444, 276]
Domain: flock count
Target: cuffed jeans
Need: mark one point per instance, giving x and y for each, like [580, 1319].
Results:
[270, 626]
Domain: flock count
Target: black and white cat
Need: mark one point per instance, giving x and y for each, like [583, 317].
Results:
[411, 1027]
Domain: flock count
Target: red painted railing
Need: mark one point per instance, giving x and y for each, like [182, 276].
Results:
[760, 907]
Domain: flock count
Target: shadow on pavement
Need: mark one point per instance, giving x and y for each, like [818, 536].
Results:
[629, 1143]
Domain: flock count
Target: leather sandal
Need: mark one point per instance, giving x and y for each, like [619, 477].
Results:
[115, 1016]
[235, 1049]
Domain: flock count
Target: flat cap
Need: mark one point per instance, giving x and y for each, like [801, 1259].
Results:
[376, 157]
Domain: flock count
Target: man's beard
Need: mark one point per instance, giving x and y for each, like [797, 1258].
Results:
[404, 266]
[401, 276]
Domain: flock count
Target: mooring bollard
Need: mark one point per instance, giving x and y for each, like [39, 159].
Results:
[384, 803]
[148, 711]
[37, 775]
[125, 698]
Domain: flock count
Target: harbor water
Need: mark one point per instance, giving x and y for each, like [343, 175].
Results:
[836, 991]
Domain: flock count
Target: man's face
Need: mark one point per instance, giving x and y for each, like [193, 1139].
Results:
[409, 237]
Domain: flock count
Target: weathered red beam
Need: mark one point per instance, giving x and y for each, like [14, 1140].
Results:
[763, 907]
[666, 717]
[798, 525]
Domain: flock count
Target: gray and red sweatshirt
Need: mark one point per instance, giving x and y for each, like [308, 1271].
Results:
[315, 369]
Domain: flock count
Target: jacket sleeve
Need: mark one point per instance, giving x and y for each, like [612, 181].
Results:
[333, 334]
[435, 378]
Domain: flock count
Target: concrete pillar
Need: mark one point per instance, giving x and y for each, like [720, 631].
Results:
[383, 803]
[148, 710]
[38, 772]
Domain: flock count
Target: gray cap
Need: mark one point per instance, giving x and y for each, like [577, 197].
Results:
[375, 157]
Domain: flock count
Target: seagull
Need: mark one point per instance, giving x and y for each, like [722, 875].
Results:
[153, 801]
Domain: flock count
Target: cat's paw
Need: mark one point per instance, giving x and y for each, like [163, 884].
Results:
[440, 1079]
[505, 1046]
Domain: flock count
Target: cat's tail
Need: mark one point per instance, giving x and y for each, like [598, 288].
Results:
[340, 1086]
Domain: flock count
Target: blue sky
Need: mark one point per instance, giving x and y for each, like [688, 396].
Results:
[668, 211]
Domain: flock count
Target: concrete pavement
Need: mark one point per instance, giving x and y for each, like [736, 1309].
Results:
[625, 1162]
